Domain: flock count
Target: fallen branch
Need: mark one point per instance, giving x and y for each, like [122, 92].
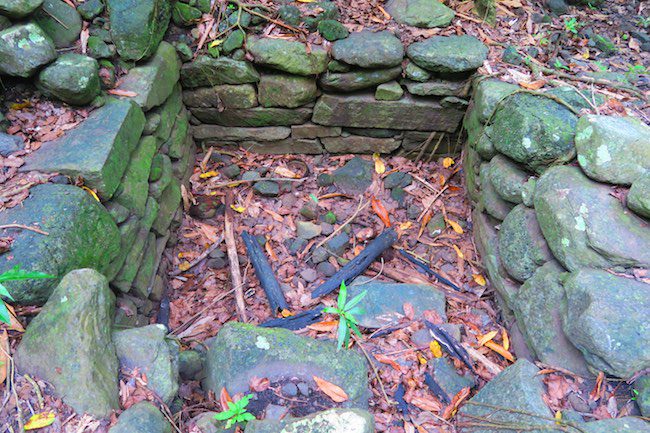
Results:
[359, 264]
[361, 206]
[23, 227]
[297, 321]
[231, 245]
[452, 346]
[493, 367]
[265, 274]
[424, 268]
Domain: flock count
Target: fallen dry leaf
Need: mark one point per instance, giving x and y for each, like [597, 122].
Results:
[334, 392]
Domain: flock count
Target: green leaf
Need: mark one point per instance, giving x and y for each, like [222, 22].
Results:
[356, 300]
[342, 331]
[343, 294]
[331, 310]
[4, 292]
[354, 327]
[221, 416]
[356, 311]
[4, 313]
[16, 274]
[245, 417]
[314, 198]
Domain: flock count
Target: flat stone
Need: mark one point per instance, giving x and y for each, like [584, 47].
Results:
[613, 149]
[538, 307]
[98, 49]
[242, 351]
[95, 149]
[161, 120]
[507, 178]
[16, 9]
[208, 71]
[585, 226]
[289, 145]
[78, 317]
[518, 388]
[354, 177]
[24, 49]
[363, 111]
[390, 91]
[606, 318]
[446, 375]
[267, 188]
[155, 80]
[13, 143]
[288, 56]
[156, 187]
[437, 87]
[310, 130]
[375, 132]
[138, 26]
[253, 117]
[357, 79]
[90, 9]
[534, 130]
[224, 95]
[489, 200]
[142, 285]
[638, 199]
[230, 133]
[134, 188]
[169, 202]
[626, 424]
[76, 224]
[416, 73]
[398, 179]
[332, 30]
[359, 144]
[521, 243]
[420, 13]
[370, 50]
[147, 350]
[448, 54]
[279, 90]
[328, 421]
[487, 94]
[60, 21]
[142, 417]
[384, 302]
[307, 230]
[175, 145]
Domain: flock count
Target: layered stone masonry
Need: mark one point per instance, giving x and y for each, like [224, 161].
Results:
[368, 95]
[134, 152]
[564, 252]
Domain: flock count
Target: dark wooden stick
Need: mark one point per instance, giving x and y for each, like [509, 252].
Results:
[359, 264]
[297, 321]
[424, 268]
[265, 274]
[450, 344]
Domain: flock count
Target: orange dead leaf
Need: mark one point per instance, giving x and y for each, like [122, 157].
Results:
[535, 85]
[4, 359]
[286, 313]
[324, 326]
[459, 253]
[39, 420]
[426, 404]
[479, 279]
[386, 360]
[224, 398]
[14, 324]
[455, 226]
[455, 403]
[285, 172]
[119, 92]
[334, 392]
[259, 384]
[487, 337]
[500, 350]
[598, 391]
[270, 252]
[381, 211]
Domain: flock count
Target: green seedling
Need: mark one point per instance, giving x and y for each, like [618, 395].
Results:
[346, 312]
[636, 394]
[15, 274]
[237, 412]
[559, 65]
[636, 69]
[571, 25]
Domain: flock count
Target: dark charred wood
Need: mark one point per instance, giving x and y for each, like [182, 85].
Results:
[359, 264]
[265, 274]
[436, 389]
[402, 405]
[451, 345]
[427, 270]
[297, 321]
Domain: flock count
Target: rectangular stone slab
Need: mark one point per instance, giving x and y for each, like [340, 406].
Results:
[98, 150]
[363, 111]
[253, 117]
[226, 133]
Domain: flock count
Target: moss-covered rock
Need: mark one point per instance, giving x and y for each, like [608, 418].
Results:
[225, 95]
[90, 9]
[391, 91]
[207, 71]
[142, 417]
[507, 177]
[369, 49]
[490, 201]
[253, 117]
[17, 9]
[80, 361]
[134, 188]
[487, 94]
[437, 87]
[242, 351]
[420, 13]
[288, 56]
[185, 15]
[60, 21]
[638, 199]
[233, 41]
[357, 79]
[138, 26]
[416, 73]
[98, 49]
[332, 30]
[280, 90]
[24, 49]
[329, 421]
[72, 78]
[360, 144]
[448, 54]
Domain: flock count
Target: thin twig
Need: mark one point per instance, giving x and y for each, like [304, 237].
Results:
[37, 390]
[234, 183]
[24, 227]
[231, 245]
[493, 367]
[182, 327]
[201, 256]
[374, 369]
[360, 207]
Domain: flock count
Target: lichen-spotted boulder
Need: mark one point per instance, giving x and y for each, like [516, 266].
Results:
[448, 54]
[534, 130]
[69, 344]
[585, 226]
[613, 149]
[420, 13]
[138, 26]
[72, 78]
[60, 21]
[24, 49]
[18, 8]
[76, 224]
[507, 178]
[606, 317]
[329, 421]
[242, 351]
[368, 49]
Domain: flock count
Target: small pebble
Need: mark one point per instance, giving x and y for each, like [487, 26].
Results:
[303, 388]
[309, 275]
[290, 390]
[326, 268]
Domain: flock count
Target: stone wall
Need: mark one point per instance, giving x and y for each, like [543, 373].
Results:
[133, 153]
[291, 99]
[566, 246]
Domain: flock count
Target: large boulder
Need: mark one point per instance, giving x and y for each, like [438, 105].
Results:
[522, 244]
[534, 130]
[76, 224]
[148, 351]
[368, 49]
[281, 90]
[420, 13]
[329, 421]
[241, 352]
[208, 71]
[24, 49]
[138, 26]
[95, 150]
[17, 9]
[626, 424]
[72, 78]
[69, 344]
[638, 199]
[60, 21]
[288, 56]
[142, 417]
[585, 226]
[448, 54]
[613, 149]
[538, 307]
[606, 317]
